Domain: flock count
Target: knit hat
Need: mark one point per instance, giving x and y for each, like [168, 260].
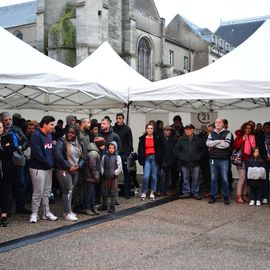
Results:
[99, 141]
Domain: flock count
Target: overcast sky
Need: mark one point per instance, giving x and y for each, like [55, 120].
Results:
[208, 13]
[203, 13]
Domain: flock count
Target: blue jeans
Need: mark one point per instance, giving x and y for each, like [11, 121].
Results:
[192, 172]
[150, 168]
[219, 168]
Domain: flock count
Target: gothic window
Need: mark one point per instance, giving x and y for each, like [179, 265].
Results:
[186, 64]
[18, 34]
[171, 57]
[144, 58]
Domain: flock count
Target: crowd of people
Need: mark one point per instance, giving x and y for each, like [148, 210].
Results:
[83, 159]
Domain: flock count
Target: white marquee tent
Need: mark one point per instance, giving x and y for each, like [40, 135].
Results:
[106, 67]
[238, 80]
[31, 80]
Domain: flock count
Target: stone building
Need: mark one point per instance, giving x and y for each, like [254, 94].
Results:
[70, 30]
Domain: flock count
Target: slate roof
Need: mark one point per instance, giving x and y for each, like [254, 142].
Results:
[19, 14]
[148, 7]
[238, 32]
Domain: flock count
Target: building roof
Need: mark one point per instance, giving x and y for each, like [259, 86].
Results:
[20, 14]
[147, 7]
[236, 32]
[204, 31]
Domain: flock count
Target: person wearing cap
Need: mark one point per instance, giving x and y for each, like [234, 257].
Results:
[219, 144]
[168, 160]
[92, 175]
[188, 151]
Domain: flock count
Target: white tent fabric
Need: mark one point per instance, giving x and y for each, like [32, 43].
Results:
[106, 67]
[238, 80]
[31, 80]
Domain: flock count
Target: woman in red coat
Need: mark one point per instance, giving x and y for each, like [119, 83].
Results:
[245, 141]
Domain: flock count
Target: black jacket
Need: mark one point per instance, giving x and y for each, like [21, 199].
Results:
[111, 136]
[159, 149]
[168, 144]
[189, 151]
[125, 134]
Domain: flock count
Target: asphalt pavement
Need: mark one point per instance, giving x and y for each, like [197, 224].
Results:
[182, 234]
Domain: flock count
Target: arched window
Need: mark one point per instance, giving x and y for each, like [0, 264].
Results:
[18, 34]
[144, 58]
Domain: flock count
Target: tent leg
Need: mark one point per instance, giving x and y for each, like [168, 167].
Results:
[128, 108]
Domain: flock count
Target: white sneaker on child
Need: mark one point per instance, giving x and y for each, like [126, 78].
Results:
[258, 203]
[143, 197]
[49, 216]
[152, 197]
[252, 202]
[136, 191]
[264, 201]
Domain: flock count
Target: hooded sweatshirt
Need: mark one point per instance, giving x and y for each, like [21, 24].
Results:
[92, 168]
[41, 151]
[111, 164]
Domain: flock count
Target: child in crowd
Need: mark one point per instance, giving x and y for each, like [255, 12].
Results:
[256, 174]
[111, 167]
[92, 175]
[132, 169]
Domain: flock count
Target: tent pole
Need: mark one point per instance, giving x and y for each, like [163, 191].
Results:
[128, 107]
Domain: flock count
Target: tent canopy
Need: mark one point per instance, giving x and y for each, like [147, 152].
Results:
[32, 80]
[238, 80]
[106, 67]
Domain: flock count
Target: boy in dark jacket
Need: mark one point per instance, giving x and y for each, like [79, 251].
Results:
[92, 175]
[111, 167]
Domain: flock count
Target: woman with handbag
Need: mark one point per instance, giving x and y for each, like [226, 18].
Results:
[244, 142]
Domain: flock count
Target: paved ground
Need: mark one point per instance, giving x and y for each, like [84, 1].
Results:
[184, 234]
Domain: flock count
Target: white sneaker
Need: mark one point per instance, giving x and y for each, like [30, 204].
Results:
[258, 203]
[152, 197]
[49, 216]
[252, 202]
[136, 191]
[70, 217]
[143, 197]
[33, 218]
[73, 214]
[264, 201]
